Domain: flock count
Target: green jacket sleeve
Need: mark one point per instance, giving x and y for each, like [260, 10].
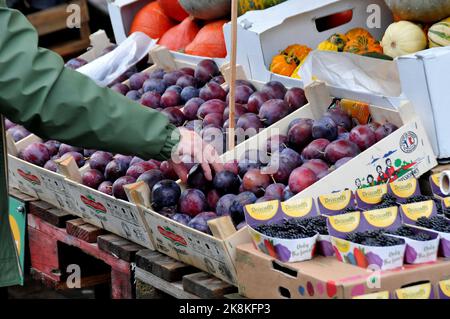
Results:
[54, 102]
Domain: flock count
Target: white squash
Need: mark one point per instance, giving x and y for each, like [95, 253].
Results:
[403, 38]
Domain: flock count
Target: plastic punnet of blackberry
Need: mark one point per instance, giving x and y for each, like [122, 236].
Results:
[405, 231]
[287, 229]
[350, 210]
[418, 199]
[373, 238]
[438, 223]
[387, 200]
[316, 224]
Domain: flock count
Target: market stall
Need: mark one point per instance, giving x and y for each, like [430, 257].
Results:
[329, 119]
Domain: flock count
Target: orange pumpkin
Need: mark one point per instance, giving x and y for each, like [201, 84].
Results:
[152, 21]
[283, 65]
[210, 41]
[362, 45]
[356, 32]
[178, 37]
[297, 51]
[173, 9]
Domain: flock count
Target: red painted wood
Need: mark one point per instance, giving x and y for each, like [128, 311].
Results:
[43, 253]
[121, 285]
[60, 234]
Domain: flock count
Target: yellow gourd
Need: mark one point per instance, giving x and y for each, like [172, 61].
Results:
[327, 46]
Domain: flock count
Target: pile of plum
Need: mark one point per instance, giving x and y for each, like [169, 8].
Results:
[105, 172]
[198, 100]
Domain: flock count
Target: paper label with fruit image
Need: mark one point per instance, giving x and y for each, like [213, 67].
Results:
[435, 185]
[385, 218]
[376, 295]
[444, 289]
[285, 250]
[369, 257]
[336, 203]
[424, 291]
[370, 196]
[446, 202]
[404, 189]
[412, 212]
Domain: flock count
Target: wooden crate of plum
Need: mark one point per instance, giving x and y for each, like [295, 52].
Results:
[311, 154]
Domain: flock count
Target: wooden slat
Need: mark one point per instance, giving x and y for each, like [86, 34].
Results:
[145, 291]
[175, 289]
[52, 215]
[118, 246]
[82, 230]
[55, 19]
[206, 286]
[162, 266]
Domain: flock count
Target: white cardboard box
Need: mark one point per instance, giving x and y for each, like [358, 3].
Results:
[261, 38]
[122, 12]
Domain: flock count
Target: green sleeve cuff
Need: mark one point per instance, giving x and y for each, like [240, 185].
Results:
[173, 138]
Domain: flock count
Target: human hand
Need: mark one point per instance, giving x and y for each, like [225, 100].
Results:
[192, 144]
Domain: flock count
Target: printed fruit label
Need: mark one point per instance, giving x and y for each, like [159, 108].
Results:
[416, 210]
[404, 189]
[297, 208]
[376, 295]
[415, 292]
[345, 223]
[169, 234]
[372, 195]
[337, 201]
[445, 287]
[90, 202]
[33, 179]
[263, 211]
[342, 245]
[382, 218]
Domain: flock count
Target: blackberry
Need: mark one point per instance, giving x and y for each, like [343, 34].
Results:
[438, 223]
[287, 229]
[387, 200]
[317, 224]
[373, 238]
[350, 210]
[418, 199]
[405, 231]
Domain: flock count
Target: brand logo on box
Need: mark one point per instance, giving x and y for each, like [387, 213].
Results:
[409, 142]
[33, 179]
[169, 234]
[90, 202]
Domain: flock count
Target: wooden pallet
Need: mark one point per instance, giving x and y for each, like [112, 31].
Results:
[54, 19]
[53, 248]
[160, 276]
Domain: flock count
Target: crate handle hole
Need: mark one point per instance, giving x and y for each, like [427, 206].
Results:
[283, 269]
[334, 20]
[417, 283]
[284, 292]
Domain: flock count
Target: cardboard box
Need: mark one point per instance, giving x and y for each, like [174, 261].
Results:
[423, 291]
[263, 277]
[259, 38]
[122, 12]
[407, 151]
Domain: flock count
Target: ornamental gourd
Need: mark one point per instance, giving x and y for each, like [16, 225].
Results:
[210, 41]
[428, 11]
[297, 51]
[173, 9]
[340, 40]
[363, 44]
[249, 5]
[327, 46]
[283, 65]
[403, 38]
[439, 34]
[357, 32]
